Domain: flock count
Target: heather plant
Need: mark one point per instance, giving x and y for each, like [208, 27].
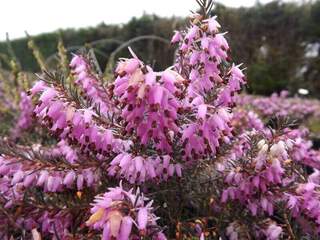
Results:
[281, 105]
[156, 155]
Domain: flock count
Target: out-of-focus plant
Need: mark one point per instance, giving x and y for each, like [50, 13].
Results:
[290, 62]
[157, 155]
[281, 105]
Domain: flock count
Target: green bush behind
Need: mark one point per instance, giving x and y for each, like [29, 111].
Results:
[271, 40]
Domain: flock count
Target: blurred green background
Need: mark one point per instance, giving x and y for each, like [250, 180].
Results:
[278, 42]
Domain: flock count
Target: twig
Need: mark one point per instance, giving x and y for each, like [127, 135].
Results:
[291, 233]
[12, 221]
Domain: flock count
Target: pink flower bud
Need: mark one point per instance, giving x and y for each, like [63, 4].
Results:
[131, 65]
[47, 95]
[142, 218]
[106, 235]
[29, 179]
[138, 163]
[69, 178]
[4, 169]
[176, 37]
[273, 232]
[80, 180]
[125, 229]
[42, 178]
[17, 177]
[37, 87]
[213, 25]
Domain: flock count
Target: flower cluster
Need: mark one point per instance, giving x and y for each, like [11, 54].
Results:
[25, 120]
[123, 215]
[89, 83]
[258, 175]
[139, 169]
[20, 176]
[77, 126]
[281, 105]
[174, 138]
[203, 58]
[149, 103]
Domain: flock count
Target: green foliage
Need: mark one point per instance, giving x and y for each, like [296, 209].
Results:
[271, 39]
[116, 34]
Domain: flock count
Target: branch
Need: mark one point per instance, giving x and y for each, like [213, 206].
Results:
[291, 234]
[205, 6]
[11, 220]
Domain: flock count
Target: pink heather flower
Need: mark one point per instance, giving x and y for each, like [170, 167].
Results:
[80, 181]
[213, 24]
[90, 85]
[279, 149]
[148, 104]
[160, 236]
[176, 37]
[125, 229]
[202, 236]
[253, 208]
[220, 41]
[38, 87]
[106, 234]
[117, 210]
[292, 202]
[4, 168]
[47, 95]
[25, 119]
[70, 154]
[315, 177]
[76, 60]
[142, 218]
[17, 177]
[43, 177]
[273, 232]
[192, 33]
[280, 105]
[202, 111]
[205, 42]
[131, 65]
[69, 178]
[139, 169]
[152, 125]
[231, 231]
[29, 179]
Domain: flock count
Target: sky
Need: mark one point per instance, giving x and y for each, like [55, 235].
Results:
[38, 16]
